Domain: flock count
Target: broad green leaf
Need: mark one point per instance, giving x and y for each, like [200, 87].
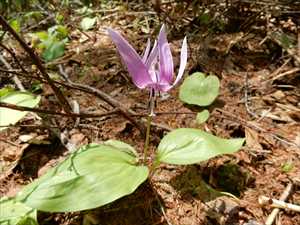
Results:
[188, 146]
[202, 116]
[93, 176]
[199, 90]
[16, 213]
[88, 23]
[10, 116]
[54, 50]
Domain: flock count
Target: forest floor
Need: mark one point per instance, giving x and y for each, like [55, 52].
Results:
[259, 100]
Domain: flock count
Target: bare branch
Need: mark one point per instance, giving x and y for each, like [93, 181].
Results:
[127, 113]
[44, 111]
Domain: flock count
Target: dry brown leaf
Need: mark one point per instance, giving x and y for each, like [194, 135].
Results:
[252, 139]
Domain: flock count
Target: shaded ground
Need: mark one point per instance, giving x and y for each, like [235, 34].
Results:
[259, 100]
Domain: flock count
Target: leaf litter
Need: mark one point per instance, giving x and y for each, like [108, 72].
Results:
[186, 194]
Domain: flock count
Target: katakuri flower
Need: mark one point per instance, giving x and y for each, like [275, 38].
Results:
[153, 70]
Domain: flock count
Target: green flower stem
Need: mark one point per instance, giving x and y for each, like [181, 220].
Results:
[149, 119]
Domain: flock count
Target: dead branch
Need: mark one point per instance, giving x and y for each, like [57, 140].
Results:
[127, 113]
[44, 111]
[264, 200]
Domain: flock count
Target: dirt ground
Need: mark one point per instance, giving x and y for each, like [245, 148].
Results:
[259, 100]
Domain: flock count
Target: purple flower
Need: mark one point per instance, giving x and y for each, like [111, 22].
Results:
[155, 68]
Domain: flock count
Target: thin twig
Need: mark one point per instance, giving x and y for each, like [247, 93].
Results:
[14, 56]
[278, 70]
[246, 97]
[127, 113]
[37, 61]
[15, 78]
[294, 70]
[246, 123]
[283, 197]
[162, 208]
[43, 111]
[31, 126]
[264, 200]
[89, 90]
[42, 22]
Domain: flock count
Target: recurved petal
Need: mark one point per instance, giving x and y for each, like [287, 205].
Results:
[165, 57]
[183, 61]
[132, 60]
[152, 56]
[147, 50]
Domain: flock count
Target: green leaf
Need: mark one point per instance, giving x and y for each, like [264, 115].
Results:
[5, 91]
[93, 176]
[59, 18]
[36, 15]
[42, 35]
[121, 146]
[188, 146]
[58, 31]
[16, 213]
[199, 90]
[15, 24]
[286, 41]
[54, 50]
[10, 116]
[88, 23]
[202, 116]
[287, 167]
[62, 31]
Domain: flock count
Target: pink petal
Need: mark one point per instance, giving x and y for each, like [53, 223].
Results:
[137, 69]
[164, 87]
[183, 61]
[147, 50]
[153, 55]
[165, 57]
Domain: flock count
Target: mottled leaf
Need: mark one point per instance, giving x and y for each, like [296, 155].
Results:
[16, 213]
